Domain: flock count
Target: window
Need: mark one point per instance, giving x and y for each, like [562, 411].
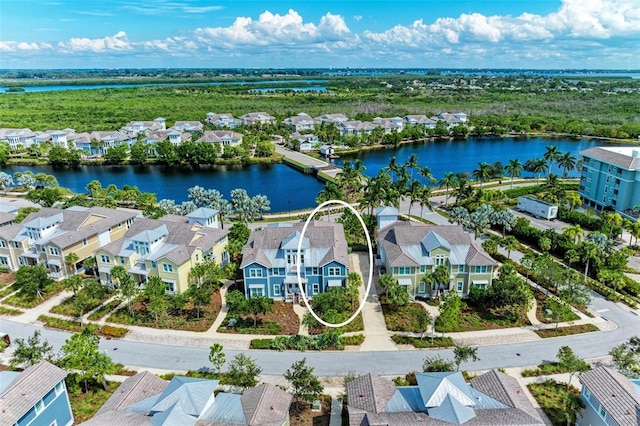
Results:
[275, 272]
[197, 257]
[167, 267]
[2, 244]
[481, 269]
[460, 268]
[39, 407]
[422, 287]
[154, 264]
[85, 242]
[603, 412]
[586, 392]
[460, 286]
[333, 272]
[171, 287]
[255, 273]
[439, 260]
[423, 269]
[276, 290]
[16, 245]
[122, 260]
[315, 271]
[50, 396]
[257, 291]
[4, 261]
[104, 258]
[605, 189]
[59, 388]
[316, 288]
[404, 270]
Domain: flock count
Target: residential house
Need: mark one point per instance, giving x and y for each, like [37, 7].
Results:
[223, 120]
[452, 120]
[421, 120]
[331, 119]
[491, 399]
[609, 399]
[257, 118]
[35, 396]
[176, 137]
[167, 248]
[49, 235]
[610, 177]
[221, 138]
[97, 143]
[145, 127]
[8, 214]
[145, 399]
[395, 124]
[269, 261]
[17, 138]
[356, 127]
[304, 143]
[327, 150]
[300, 122]
[188, 126]
[409, 250]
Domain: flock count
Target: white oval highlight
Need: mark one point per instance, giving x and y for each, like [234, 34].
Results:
[298, 258]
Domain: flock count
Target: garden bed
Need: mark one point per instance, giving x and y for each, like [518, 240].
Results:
[68, 308]
[9, 311]
[7, 277]
[6, 290]
[282, 320]
[552, 397]
[306, 416]
[176, 319]
[426, 343]
[567, 331]
[473, 319]
[24, 301]
[412, 317]
[106, 330]
[104, 310]
[542, 316]
[85, 405]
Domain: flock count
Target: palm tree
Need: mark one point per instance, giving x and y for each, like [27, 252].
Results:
[425, 172]
[413, 191]
[483, 172]
[538, 166]
[575, 232]
[449, 180]
[509, 243]
[70, 260]
[552, 154]
[412, 163]
[393, 167]
[568, 162]
[514, 168]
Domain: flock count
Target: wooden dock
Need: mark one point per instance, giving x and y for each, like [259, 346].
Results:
[307, 164]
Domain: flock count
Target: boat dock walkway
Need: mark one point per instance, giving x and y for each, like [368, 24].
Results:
[307, 164]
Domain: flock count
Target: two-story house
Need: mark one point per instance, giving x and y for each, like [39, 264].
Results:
[49, 235]
[167, 248]
[221, 138]
[270, 265]
[410, 250]
[300, 122]
[609, 399]
[35, 396]
[223, 120]
[257, 118]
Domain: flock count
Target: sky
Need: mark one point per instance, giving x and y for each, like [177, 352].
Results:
[519, 34]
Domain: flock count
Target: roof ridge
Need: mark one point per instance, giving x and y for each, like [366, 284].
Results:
[262, 396]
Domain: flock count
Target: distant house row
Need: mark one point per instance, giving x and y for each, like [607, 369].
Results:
[96, 143]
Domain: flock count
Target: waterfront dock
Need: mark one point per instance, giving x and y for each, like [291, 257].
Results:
[324, 170]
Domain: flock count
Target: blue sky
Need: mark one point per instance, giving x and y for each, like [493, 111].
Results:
[349, 33]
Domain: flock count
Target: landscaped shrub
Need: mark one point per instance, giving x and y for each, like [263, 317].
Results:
[261, 343]
[352, 340]
[111, 331]
[591, 223]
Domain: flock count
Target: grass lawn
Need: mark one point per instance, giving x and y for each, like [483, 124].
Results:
[67, 307]
[567, 331]
[24, 301]
[473, 318]
[85, 405]
[104, 310]
[406, 317]
[549, 395]
[356, 325]
[183, 319]
[281, 320]
[305, 416]
[9, 311]
[542, 316]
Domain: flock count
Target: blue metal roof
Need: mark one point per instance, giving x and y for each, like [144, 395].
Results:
[453, 411]
[226, 408]
[406, 398]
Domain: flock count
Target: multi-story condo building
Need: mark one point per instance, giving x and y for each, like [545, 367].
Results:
[269, 261]
[167, 248]
[49, 235]
[410, 250]
[610, 177]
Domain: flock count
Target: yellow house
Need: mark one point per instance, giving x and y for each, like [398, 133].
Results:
[167, 248]
[49, 235]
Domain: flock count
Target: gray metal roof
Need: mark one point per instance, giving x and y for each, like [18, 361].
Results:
[618, 156]
[615, 393]
[266, 405]
[134, 389]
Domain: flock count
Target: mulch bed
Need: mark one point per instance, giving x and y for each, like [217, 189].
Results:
[567, 331]
[308, 417]
[282, 314]
[7, 278]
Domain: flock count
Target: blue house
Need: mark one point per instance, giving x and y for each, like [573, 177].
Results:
[269, 262]
[36, 396]
[609, 399]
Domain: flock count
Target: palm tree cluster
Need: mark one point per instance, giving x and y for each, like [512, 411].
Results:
[567, 161]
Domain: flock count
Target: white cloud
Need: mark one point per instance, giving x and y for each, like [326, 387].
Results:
[18, 46]
[119, 43]
[357, 17]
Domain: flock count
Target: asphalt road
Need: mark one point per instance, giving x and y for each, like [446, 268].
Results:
[589, 345]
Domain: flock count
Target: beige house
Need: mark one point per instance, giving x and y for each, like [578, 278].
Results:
[49, 235]
[167, 248]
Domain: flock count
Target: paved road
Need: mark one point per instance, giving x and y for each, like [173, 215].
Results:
[341, 363]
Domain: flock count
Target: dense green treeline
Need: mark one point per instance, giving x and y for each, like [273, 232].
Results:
[531, 107]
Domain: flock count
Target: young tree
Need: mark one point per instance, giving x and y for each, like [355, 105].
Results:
[571, 363]
[155, 291]
[257, 305]
[398, 296]
[200, 296]
[243, 372]
[386, 281]
[306, 386]
[30, 352]
[70, 261]
[463, 354]
[73, 283]
[450, 311]
[626, 357]
[217, 356]
[354, 281]
[436, 364]
[81, 353]
[126, 289]
[32, 280]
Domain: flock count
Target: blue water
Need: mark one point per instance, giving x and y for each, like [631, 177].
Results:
[464, 155]
[289, 189]
[123, 86]
[286, 188]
